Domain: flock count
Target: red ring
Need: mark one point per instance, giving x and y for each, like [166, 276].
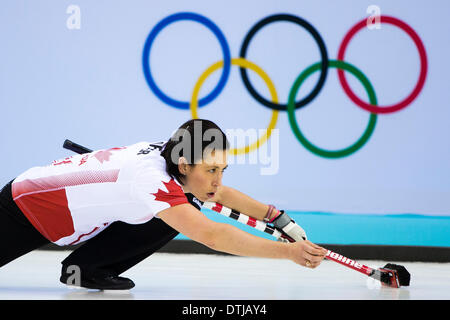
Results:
[423, 67]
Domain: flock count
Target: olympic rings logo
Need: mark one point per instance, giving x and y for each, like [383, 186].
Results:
[292, 105]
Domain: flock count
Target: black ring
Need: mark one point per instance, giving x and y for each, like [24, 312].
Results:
[323, 52]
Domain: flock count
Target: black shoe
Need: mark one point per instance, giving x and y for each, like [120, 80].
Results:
[102, 283]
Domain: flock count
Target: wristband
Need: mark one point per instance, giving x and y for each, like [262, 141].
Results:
[269, 213]
[276, 216]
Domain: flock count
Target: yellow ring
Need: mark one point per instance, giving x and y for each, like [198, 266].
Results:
[241, 62]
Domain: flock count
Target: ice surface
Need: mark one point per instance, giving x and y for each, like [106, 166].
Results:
[168, 276]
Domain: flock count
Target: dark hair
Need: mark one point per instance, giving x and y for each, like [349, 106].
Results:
[190, 141]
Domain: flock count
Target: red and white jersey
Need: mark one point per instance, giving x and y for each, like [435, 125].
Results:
[72, 200]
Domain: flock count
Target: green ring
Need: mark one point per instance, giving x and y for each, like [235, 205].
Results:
[293, 121]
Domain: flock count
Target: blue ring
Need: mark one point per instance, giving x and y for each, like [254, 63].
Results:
[226, 58]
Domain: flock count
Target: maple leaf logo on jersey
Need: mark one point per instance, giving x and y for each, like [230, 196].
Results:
[173, 196]
[104, 155]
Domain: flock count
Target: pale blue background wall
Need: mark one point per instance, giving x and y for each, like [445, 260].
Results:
[88, 85]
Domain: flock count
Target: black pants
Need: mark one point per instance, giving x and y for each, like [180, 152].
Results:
[17, 234]
[113, 251]
[119, 247]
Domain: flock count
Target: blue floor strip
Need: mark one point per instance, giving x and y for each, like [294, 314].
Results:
[362, 229]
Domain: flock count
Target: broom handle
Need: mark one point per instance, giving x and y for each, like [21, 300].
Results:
[264, 227]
